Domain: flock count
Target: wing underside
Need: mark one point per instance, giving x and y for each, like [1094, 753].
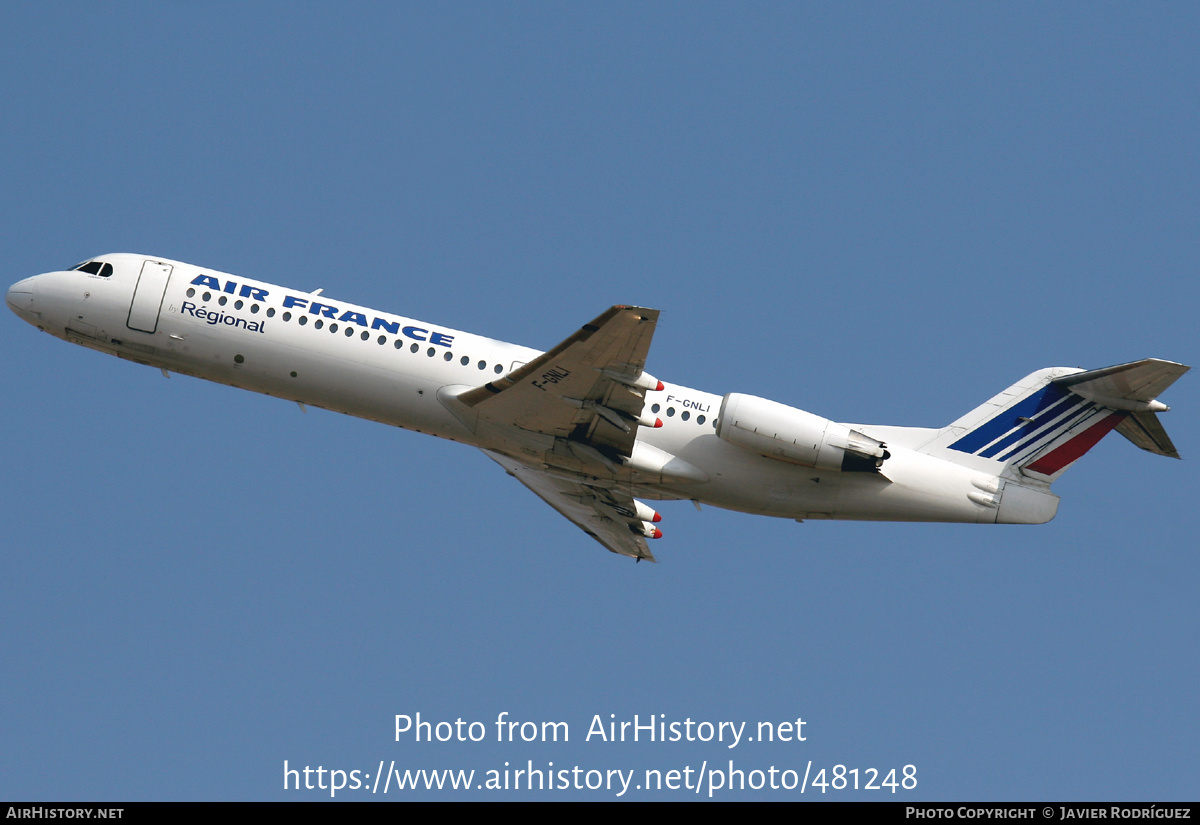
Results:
[609, 516]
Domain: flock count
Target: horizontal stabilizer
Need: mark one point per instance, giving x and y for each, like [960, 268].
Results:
[1134, 388]
[1146, 431]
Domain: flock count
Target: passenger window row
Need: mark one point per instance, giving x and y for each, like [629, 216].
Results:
[348, 330]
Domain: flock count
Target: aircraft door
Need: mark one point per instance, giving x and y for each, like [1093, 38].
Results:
[148, 296]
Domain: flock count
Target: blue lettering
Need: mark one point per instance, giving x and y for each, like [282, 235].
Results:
[206, 280]
[189, 308]
[441, 340]
[323, 309]
[231, 287]
[356, 317]
[391, 326]
[411, 332]
[293, 301]
[253, 293]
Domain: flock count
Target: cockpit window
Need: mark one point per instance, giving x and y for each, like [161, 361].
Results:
[95, 268]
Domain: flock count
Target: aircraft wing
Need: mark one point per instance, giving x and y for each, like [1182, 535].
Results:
[589, 389]
[608, 516]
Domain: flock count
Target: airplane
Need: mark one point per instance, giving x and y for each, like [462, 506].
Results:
[584, 425]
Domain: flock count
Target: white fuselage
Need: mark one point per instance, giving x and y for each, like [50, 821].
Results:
[324, 352]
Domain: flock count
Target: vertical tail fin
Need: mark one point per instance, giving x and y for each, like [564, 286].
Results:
[1044, 423]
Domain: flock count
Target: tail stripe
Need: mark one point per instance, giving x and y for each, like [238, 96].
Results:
[1008, 418]
[1036, 427]
[1048, 412]
[1076, 425]
[1061, 456]
[1052, 429]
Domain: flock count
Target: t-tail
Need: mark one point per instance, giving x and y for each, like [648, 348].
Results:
[1037, 428]
[1045, 422]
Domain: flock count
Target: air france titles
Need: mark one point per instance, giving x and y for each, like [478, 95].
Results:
[297, 302]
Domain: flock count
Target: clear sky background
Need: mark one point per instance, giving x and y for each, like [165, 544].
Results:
[875, 212]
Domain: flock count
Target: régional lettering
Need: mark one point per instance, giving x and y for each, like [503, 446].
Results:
[212, 318]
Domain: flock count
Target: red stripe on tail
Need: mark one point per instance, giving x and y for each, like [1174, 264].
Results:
[1061, 456]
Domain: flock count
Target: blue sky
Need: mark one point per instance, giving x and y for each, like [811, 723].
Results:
[875, 212]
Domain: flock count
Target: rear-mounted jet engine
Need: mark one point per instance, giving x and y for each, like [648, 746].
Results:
[798, 437]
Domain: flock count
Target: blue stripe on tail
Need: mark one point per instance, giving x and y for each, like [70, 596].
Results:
[1011, 418]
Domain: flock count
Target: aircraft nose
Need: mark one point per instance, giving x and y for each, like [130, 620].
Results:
[20, 296]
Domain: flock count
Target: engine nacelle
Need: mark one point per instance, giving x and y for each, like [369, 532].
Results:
[785, 433]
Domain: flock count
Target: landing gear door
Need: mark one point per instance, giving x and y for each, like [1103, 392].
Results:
[148, 296]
